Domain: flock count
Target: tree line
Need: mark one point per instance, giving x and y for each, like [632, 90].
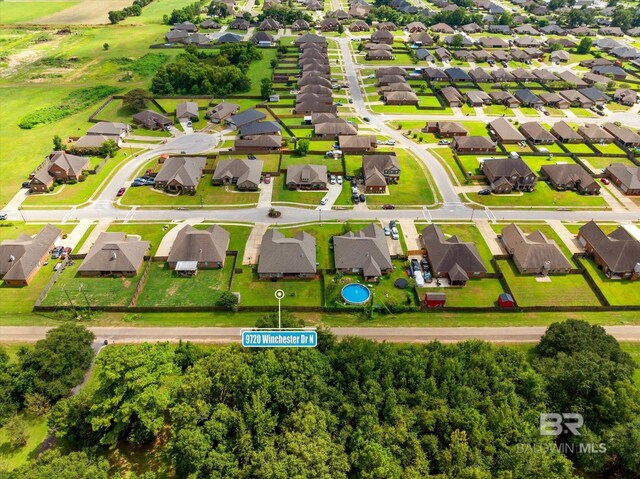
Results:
[135, 10]
[357, 409]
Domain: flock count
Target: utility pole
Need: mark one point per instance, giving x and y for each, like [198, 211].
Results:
[85, 297]
[73, 308]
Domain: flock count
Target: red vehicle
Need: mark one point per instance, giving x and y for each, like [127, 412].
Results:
[605, 181]
[267, 178]
[121, 191]
[65, 252]
[388, 207]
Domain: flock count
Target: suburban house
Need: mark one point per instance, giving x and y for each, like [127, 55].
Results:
[473, 144]
[195, 249]
[508, 174]
[595, 134]
[244, 118]
[245, 174]
[421, 39]
[109, 129]
[527, 98]
[504, 98]
[623, 136]
[555, 101]
[534, 253]
[239, 23]
[505, 132]
[180, 173]
[357, 143]
[492, 42]
[307, 177]
[187, 110]
[21, 258]
[400, 98]
[575, 98]
[445, 129]
[222, 111]
[334, 128]
[478, 98]
[59, 166]
[379, 171]
[452, 96]
[114, 254]
[364, 252]
[565, 134]
[229, 38]
[152, 120]
[438, 28]
[535, 133]
[282, 257]
[451, 258]
[616, 254]
[269, 24]
[260, 128]
[457, 74]
[569, 176]
[480, 75]
[299, 25]
[379, 55]
[626, 96]
[382, 36]
[627, 178]
[258, 143]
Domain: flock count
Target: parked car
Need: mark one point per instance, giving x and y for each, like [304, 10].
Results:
[267, 178]
[332, 179]
[388, 207]
[356, 200]
[424, 264]
[57, 251]
[121, 191]
[350, 100]
[415, 266]
[395, 236]
[387, 231]
[25, 184]
[392, 223]
[339, 179]
[605, 181]
[484, 192]
[189, 124]
[324, 201]
[65, 252]
[362, 198]
[251, 157]
[427, 276]
[391, 142]
[444, 142]
[367, 119]
[394, 230]
[138, 183]
[3, 216]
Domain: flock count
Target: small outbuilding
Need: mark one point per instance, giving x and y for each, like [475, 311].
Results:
[434, 300]
[505, 300]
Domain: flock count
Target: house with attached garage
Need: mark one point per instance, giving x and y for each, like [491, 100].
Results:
[451, 258]
[260, 128]
[565, 134]
[535, 133]
[357, 143]
[245, 174]
[527, 98]
[22, 258]
[180, 174]
[379, 171]
[504, 98]
[627, 178]
[222, 111]
[505, 132]
[595, 134]
[114, 254]
[364, 252]
[258, 143]
[534, 253]
[508, 174]
[282, 257]
[616, 254]
[152, 120]
[555, 101]
[473, 144]
[623, 136]
[58, 166]
[307, 177]
[569, 176]
[445, 129]
[400, 98]
[382, 36]
[246, 117]
[187, 110]
[626, 96]
[110, 129]
[334, 128]
[195, 249]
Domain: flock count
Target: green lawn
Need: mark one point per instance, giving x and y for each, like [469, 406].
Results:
[562, 290]
[255, 292]
[283, 194]
[446, 155]
[634, 350]
[164, 288]
[578, 148]
[582, 112]
[477, 293]
[498, 110]
[36, 429]
[617, 292]
[544, 195]
[600, 162]
[106, 291]
[610, 149]
[24, 12]
[333, 164]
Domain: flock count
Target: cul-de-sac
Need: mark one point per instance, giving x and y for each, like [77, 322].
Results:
[401, 170]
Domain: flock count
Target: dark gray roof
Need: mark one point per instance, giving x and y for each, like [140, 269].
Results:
[619, 251]
[451, 256]
[457, 74]
[115, 253]
[246, 117]
[260, 128]
[366, 249]
[527, 96]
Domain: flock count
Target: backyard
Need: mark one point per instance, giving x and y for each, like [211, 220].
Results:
[618, 292]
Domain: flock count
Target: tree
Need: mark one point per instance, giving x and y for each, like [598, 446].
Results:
[273, 63]
[76, 465]
[584, 46]
[105, 46]
[58, 144]
[16, 429]
[457, 40]
[302, 147]
[109, 148]
[36, 404]
[228, 300]
[340, 29]
[266, 87]
[136, 99]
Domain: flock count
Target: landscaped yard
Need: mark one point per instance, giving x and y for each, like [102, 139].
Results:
[543, 196]
[283, 194]
[165, 288]
[617, 292]
[255, 292]
[477, 293]
[152, 232]
[561, 290]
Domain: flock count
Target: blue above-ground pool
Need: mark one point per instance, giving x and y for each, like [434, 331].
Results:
[356, 293]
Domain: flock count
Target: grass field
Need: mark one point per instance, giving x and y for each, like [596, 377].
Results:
[24, 12]
[477, 293]
[283, 194]
[255, 292]
[564, 290]
[36, 429]
[617, 292]
[85, 12]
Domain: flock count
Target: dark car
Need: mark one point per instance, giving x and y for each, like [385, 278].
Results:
[362, 198]
[121, 191]
[251, 157]
[388, 207]
[25, 184]
[415, 266]
[484, 192]
[424, 264]
[367, 119]
[3, 216]
[392, 223]
[57, 251]
[356, 200]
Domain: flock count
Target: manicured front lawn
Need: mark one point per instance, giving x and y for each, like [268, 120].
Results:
[562, 290]
[582, 112]
[152, 232]
[255, 292]
[543, 196]
[97, 292]
[75, 194]
[477, 293]
[618, 292]
[165, 288]
[498, 110]
[283, 194]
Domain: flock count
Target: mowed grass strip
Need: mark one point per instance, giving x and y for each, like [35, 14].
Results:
[562, 290]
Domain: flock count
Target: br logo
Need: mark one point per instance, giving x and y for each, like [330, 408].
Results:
[553, 424]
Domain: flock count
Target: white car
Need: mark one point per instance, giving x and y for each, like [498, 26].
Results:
[324, 201]
[394, 231]
[332, 179]
[391, 142]
[444, 142]
[387, 231]
[339, 179]
[395, 236]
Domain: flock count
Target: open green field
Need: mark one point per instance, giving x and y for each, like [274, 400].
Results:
[24, 12]
[544, 195]
[82, 292]
[164, 288]
[617, 292]
[562, 290]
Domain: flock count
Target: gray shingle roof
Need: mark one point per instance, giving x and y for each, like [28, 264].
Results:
[186, 171]
[366, 249]
[533, 251]
[279, 254]
[203, 246]
[115, 253]
[451, 256]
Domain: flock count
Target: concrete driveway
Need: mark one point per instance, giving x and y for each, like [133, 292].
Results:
[252, 248]
[188, 130]
[266, 193]
[332, 196]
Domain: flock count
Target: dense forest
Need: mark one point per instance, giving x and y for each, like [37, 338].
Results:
[347, 409]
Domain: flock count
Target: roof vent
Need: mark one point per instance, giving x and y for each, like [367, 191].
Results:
[114, 256]
[12, 258]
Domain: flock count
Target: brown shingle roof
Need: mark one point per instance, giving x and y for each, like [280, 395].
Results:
[203, 246]
[279, 254]
[451, 256]
[366, 249]
[20, 256]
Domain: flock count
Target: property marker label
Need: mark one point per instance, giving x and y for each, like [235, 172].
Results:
[279, 339]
